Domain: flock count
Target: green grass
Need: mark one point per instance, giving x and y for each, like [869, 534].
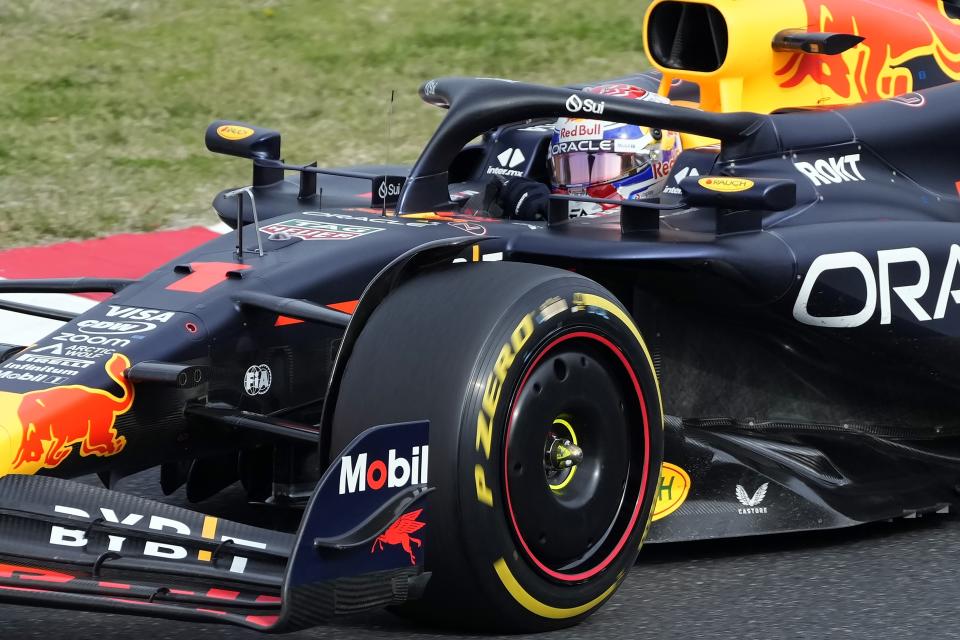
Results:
[103, 103]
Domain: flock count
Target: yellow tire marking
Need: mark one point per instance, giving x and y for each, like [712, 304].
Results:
[591, 300]
[536, 607]
[513, 587]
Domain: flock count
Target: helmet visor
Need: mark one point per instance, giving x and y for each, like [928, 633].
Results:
[581, 168]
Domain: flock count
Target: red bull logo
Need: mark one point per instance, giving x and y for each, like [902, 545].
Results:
[877, 69]
[52, 422]
[577, 129]
[399, 534]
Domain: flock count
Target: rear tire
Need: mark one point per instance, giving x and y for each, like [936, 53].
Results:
[505, 360]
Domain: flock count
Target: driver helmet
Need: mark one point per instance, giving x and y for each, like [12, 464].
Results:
[611, 160]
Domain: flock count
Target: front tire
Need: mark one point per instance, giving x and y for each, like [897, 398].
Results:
[518, 368]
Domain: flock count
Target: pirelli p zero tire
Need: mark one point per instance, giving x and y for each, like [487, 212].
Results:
[545, 437]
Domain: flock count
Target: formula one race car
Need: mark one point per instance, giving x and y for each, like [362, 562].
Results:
[481, 418]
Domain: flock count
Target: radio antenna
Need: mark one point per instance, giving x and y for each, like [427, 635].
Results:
[393, 93]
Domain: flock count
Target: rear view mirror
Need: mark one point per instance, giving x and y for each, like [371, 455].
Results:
[242, 140]
[739, 194]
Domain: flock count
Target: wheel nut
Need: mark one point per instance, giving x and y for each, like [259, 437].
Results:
[563, 454]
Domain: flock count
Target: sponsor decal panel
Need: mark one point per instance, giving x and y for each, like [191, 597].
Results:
[724, 184]
[576, 104]
[163, 526]
[378, 219]
[398, 534]
[509, 160]
[880, 291]
[234, 132]
[686, 172]
[109, 328]
[68, 336]
[137, 313]
[470, 227]
[75, 363]
[381, 464]
[385, 190]
[577, 129]
[59, 367]
[358, 474]
[591, 210]
[316, 230]
[826, 171]
[124, 321]
[79, 346]
[673, 491]
[590, 146]
[56, 364]
[42, 428]
[751, 503]
[662, 169]
[29, 376]
[257, 380]
[391, 189]
[630, 146]
[82, 351]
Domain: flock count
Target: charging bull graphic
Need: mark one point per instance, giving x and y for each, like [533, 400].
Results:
[42, 427]
[898, 36]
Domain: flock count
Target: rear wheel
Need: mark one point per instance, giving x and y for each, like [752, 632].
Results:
[545, 437]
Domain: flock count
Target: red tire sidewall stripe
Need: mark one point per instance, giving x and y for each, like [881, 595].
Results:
[585, 575]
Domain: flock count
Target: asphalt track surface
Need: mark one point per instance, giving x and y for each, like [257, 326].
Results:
[886, 580]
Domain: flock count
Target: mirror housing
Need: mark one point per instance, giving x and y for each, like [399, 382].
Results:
[246, 141]
[242, 140]
[739, 194]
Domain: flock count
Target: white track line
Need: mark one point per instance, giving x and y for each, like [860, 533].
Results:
[220, 228]
[23, 329]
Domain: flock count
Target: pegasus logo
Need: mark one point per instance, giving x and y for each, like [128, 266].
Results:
[752, 503]
[399, 534]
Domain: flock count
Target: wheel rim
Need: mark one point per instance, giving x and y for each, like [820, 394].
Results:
[579, 396]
